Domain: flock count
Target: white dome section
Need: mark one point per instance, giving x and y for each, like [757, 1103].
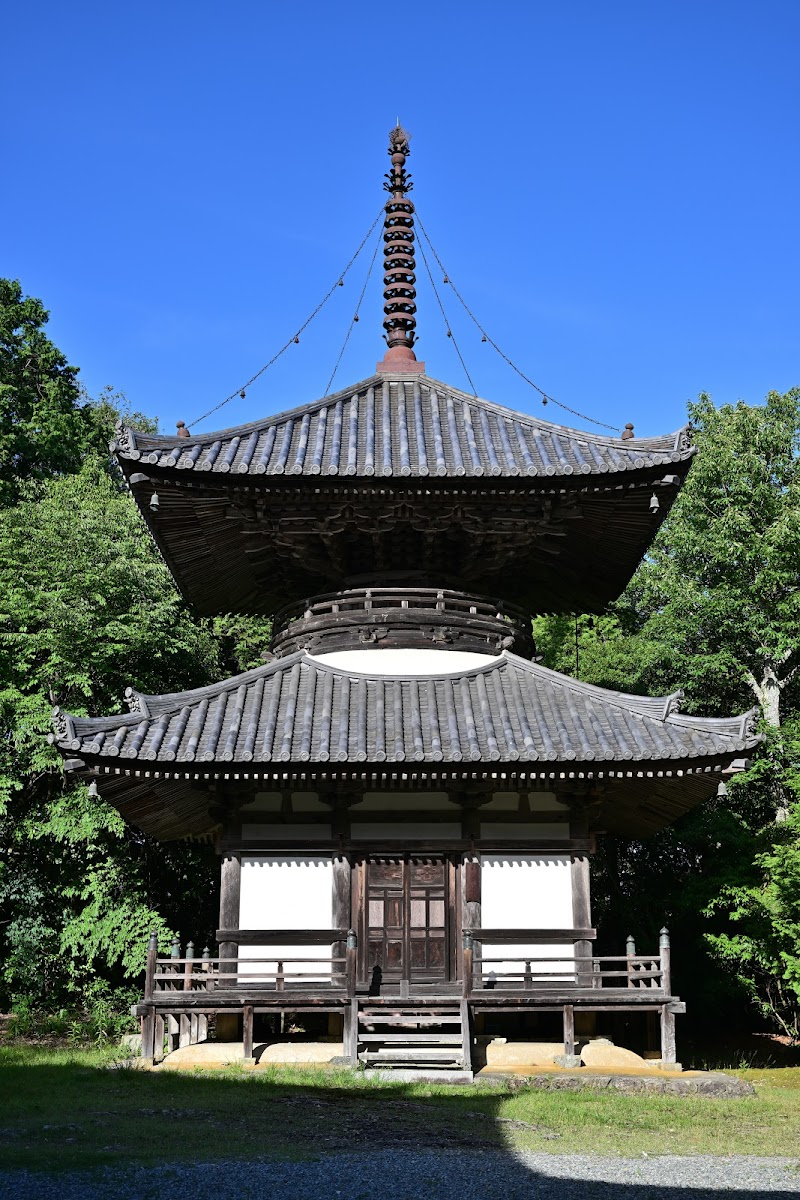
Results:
[404, 662]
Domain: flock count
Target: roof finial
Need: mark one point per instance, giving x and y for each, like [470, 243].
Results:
[399, 293]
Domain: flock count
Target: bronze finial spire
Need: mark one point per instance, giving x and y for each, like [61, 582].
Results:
[399, 293]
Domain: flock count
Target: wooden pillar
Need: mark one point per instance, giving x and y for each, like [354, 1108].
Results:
[668, 1048]
[471, 900]
[350, 1047]
[149, 1035]
[247, 1031]
[582, 919]
[569, 1031]
[229, 894]
[158, 1040]
[343, 917]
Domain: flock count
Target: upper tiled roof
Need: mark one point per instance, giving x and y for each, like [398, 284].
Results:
[298, 709]
[400, 428]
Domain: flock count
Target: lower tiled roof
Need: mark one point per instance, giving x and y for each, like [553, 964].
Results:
[300, 710]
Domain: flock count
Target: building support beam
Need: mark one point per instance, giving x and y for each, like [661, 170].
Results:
[229, 899]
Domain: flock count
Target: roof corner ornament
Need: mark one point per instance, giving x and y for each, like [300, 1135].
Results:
[684, 439]
[399, 292]
[63, 730]
[136, 702]
[750, 719]
[123, 438]
[672, 704]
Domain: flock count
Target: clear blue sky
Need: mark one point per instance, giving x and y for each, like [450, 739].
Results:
[614, 188]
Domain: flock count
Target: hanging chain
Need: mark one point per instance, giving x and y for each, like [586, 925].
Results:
[546, 397]
[327, 391]
[240, 391]
[450, 333]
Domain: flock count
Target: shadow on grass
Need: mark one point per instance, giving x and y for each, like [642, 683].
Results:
[70, 1112]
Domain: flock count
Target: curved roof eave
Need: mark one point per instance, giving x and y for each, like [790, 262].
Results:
[397, 426]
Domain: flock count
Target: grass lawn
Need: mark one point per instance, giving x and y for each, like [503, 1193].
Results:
[69, 1109]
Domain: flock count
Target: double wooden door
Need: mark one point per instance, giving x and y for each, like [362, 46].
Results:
[408, 902]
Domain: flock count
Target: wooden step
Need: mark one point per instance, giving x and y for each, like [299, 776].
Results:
[406, 1019]
[411, 1054]
[415, 1039]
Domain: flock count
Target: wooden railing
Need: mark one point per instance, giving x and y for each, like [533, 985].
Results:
[182, 973]
[578, 969]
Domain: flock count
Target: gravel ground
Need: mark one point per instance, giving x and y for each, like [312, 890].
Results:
[425, 1175]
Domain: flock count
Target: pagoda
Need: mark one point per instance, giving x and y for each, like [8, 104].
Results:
[403, 799]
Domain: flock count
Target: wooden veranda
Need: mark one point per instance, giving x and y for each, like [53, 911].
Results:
[182, 992]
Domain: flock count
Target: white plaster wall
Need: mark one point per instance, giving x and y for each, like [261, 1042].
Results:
[286, 892]
[526, 891]
[404, 662]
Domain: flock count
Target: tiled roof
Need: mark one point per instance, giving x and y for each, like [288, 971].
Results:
[403, 427]
[299, 710]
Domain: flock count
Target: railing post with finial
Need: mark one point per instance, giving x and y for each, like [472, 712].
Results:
[150, 968]
[630, 952]
[668, 1048]
[187, 972]
[174, 952]
[666, 965]
[149, 1018]
[469, 951]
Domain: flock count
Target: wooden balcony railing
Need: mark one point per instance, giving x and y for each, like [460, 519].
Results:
[580, 969]
[280, 972]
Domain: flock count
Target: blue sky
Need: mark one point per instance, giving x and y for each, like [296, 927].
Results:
[613, 187]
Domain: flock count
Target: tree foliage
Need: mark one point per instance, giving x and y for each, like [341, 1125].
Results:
[87, 607]
[714, 609]
[44, 426]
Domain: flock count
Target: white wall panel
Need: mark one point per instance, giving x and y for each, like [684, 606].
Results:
[526, 891]
[286, 892]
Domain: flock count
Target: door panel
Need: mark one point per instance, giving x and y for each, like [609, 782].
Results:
[406, 917]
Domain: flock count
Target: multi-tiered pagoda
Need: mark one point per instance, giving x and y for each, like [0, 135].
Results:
[404, 801]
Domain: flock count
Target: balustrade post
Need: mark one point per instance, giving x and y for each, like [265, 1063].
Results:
[150, 968]
[174, 952]
[469, 949]
[279, 979]
[187, 970]
[630, 951]
[666, 965]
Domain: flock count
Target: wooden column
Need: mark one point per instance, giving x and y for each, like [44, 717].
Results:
[350, 1048]
[149, 1034]
[582, 919]
[229, 893]
[247, 1032]
[569, 1031]
[471, 897]
[342, 914]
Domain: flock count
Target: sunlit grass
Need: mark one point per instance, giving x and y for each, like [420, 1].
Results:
[79, 1108]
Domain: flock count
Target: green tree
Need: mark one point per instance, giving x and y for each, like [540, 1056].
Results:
[86, 608]
[715, 609]
[45, 425]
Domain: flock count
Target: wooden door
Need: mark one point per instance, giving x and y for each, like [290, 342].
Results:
[406, 918]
